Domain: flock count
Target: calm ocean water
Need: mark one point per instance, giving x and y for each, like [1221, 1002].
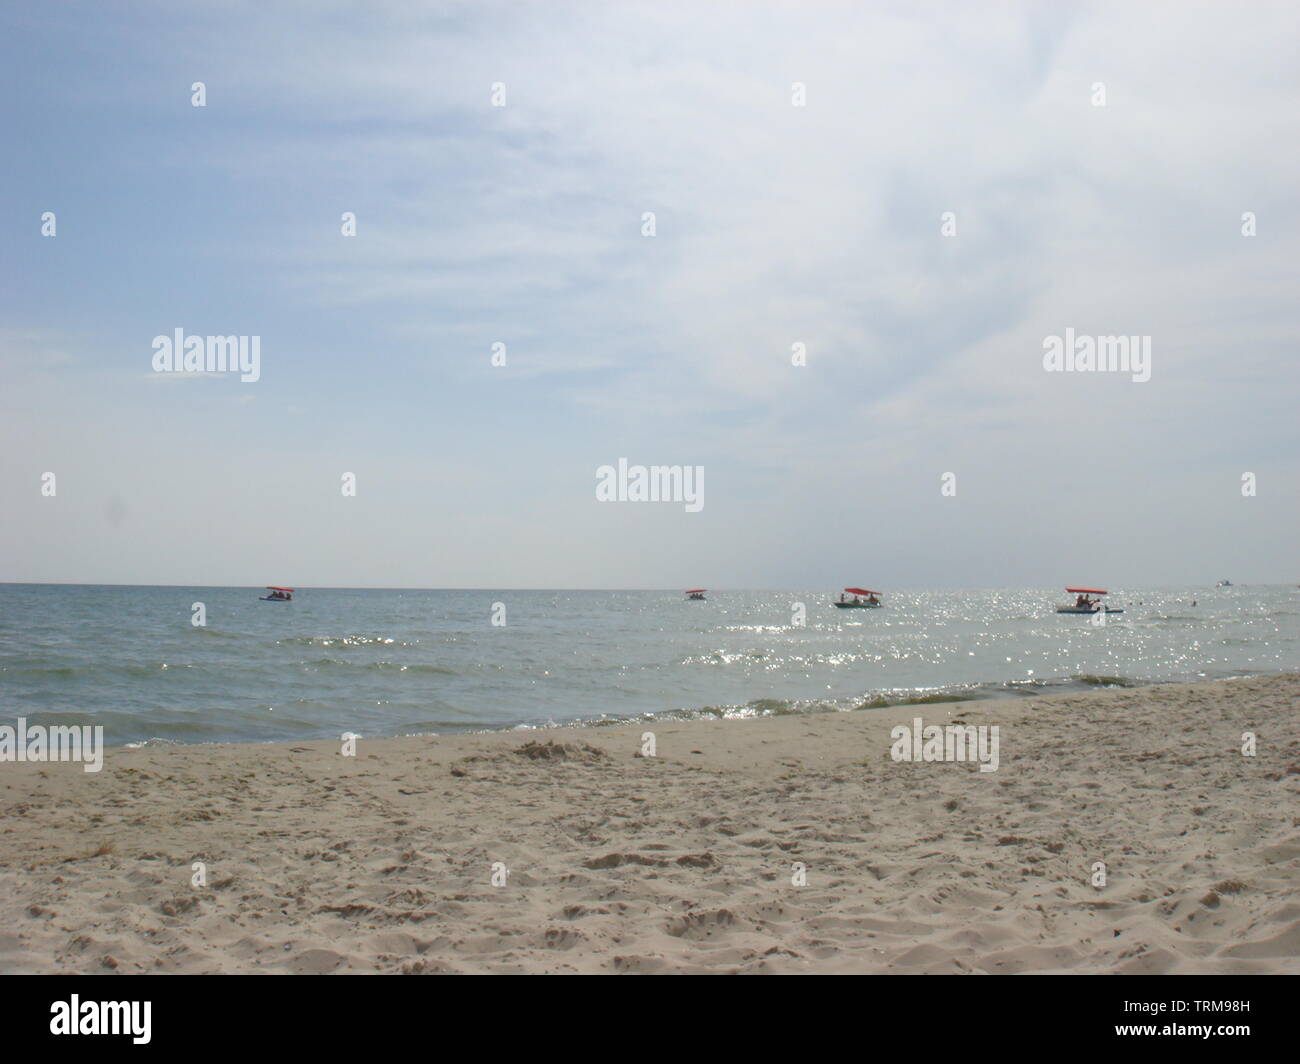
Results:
[401, 662]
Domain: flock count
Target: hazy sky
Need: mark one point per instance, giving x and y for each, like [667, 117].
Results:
[776, 225]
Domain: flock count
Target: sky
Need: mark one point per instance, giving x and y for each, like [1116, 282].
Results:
[918, 194]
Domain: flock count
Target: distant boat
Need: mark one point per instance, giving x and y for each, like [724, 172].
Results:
[862, 599]
[1224, 583]
[278, 594]
[696, 594]
[1088, 600]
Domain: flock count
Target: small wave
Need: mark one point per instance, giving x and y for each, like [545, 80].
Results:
[1107, 681]
[341, 641]
[380, 666]
[44, 671]
[97, 670]
[726, 657]
[883, 701]
[759, 707]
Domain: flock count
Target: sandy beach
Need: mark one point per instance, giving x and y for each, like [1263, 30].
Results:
[685, 861]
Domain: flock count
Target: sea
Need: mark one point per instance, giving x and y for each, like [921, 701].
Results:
[401, 662]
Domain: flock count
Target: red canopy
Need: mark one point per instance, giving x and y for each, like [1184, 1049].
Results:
[272, 587]
[1086, 591]
[860, 591]
[697, 591]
